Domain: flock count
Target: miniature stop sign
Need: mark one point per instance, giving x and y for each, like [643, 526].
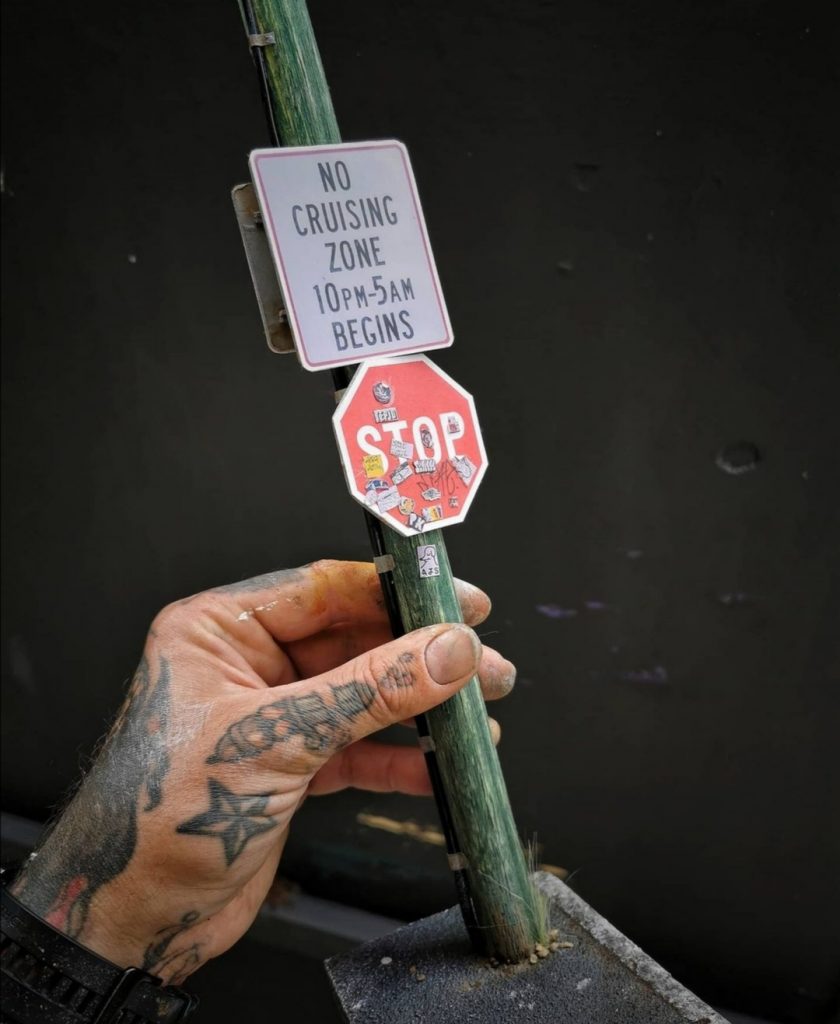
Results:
[410, 443]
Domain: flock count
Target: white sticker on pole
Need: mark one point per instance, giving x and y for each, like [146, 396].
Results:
[427, 561]
[351, 249]
[410, 446]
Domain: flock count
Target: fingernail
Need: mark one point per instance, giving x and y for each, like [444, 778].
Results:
[452, 655]
[507, 676]
[470, 589]
[470, 595]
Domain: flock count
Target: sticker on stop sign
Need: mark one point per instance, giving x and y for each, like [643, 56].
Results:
[410, 443]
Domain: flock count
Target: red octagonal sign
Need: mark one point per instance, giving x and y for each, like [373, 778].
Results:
[410, 443]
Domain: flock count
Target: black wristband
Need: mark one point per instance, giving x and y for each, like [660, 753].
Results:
[48, 978]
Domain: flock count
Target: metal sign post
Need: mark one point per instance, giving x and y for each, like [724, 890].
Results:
[501, 908]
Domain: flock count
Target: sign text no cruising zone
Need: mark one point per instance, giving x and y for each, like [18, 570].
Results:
[352, 254]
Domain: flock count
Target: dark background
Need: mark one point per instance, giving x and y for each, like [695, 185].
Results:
[633, 212]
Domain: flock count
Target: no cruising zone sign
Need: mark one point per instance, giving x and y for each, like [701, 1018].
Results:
[352, 253]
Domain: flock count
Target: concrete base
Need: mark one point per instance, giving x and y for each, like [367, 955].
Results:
[426, 972]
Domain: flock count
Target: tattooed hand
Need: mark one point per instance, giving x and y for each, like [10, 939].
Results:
[247, 699]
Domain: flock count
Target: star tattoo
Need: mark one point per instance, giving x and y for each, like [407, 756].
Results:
[233, 818]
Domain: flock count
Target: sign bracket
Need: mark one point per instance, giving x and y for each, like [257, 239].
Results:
[258, 254]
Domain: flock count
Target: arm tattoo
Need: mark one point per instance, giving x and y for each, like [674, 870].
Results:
[94, 839]
[322, 725]
[178, 963]
[232, 818]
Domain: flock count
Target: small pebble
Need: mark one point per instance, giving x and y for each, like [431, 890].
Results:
[541, 951]
[554, 934]
[420, 977]
[413, 969]
[386, 960]
[533, 958]
[565, 945]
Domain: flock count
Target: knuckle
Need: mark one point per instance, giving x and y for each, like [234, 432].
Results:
[169, 619]
[301, 760]
[187, 620]
[323, 566]
[393, 678]
[497, 686]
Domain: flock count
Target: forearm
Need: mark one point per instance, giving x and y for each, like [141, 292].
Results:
[66, 881]
[76, 879]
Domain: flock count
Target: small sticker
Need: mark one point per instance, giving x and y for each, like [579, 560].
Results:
[433, 513]
[454, 425]
[388, 499]
[430, 494]
[374, 465]
[463, 467]
[427, 561]
[426, 438]
[413, 521]
[425, 465]
[385, 415]
[374, 489]
[402, 449]
[454, 502]
[382, 392]
[402, 472]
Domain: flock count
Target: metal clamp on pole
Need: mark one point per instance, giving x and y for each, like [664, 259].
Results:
[260, 39]
[270, 299]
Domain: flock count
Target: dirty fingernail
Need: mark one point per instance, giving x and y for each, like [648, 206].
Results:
[473, 600]
[452, 655]
[506, 677]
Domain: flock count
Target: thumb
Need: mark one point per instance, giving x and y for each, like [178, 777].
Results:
[318, 716]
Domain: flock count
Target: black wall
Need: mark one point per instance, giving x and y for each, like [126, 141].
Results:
[632, 211]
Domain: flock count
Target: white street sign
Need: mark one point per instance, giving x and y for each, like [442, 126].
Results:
[353, 257]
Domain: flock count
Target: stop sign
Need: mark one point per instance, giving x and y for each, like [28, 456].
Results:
[410, 443]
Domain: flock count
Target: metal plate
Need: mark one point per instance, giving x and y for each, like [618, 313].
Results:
[260, 263]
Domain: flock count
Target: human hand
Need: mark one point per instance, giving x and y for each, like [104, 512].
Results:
[247, 699]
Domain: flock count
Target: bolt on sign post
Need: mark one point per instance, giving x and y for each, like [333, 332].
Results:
[359, 285]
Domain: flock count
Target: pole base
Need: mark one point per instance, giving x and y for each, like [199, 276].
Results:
[426, 973]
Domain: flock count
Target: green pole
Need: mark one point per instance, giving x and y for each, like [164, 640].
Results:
[505, 915]
[508, 910]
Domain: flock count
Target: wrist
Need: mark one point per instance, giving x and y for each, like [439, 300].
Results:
[92, 923]
[47, 976]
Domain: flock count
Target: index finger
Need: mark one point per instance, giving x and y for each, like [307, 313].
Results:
[292, 604]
